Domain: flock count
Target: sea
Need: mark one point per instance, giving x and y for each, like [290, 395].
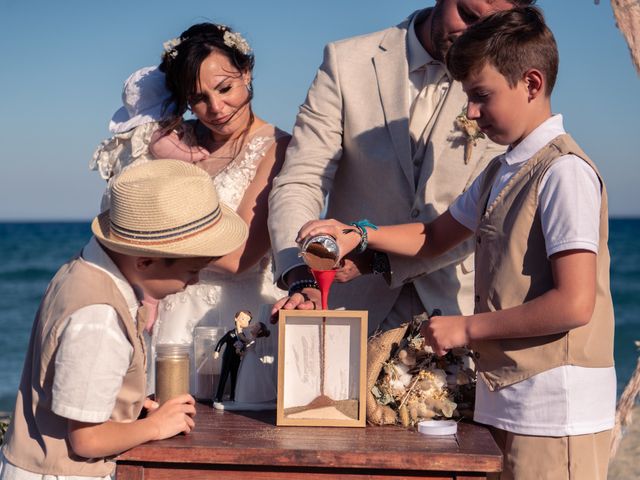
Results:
[31, 252]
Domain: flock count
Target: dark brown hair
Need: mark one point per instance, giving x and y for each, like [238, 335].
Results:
[181, 66]
[513, 41]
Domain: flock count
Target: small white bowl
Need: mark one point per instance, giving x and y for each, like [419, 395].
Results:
[438, 427]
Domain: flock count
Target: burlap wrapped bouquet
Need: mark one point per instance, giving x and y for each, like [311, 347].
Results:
[407, 383]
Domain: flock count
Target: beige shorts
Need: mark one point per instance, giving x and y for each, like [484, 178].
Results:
[578, 457]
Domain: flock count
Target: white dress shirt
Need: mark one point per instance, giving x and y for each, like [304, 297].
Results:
[419, 60]
[428, 84]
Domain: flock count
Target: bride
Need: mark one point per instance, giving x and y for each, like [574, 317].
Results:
[209, 72]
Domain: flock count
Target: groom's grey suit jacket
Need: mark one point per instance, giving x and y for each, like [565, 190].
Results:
[351, 141]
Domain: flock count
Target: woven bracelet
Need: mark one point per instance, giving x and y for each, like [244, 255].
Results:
[362, 226]
[300, 285]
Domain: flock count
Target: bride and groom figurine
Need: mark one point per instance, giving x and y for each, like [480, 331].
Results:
[252, 384]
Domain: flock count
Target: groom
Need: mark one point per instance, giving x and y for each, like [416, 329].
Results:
[379, 134]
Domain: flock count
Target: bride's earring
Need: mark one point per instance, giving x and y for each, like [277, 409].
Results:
[249, 88]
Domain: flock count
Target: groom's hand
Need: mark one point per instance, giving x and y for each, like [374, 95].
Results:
[306, 299]
[354, 265]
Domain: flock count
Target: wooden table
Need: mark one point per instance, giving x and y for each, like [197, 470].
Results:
[248, 445]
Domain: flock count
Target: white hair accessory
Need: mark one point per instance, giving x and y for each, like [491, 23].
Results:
[170, 47]
[235, 40]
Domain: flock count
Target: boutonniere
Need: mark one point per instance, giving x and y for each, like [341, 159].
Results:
[471, 133]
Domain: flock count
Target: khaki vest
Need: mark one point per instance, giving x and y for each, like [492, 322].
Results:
[37, 437]
[512, 268]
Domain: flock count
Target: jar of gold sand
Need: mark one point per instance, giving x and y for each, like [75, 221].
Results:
[172, 371]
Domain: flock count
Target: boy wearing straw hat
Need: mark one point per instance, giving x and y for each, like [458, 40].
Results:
[83, 383]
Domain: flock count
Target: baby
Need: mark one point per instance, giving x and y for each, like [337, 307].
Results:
[144, 128]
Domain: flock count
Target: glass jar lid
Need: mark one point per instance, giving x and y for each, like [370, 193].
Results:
[208, 331]
[173, 349]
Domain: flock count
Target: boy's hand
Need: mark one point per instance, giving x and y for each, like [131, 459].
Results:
[173, 417]
[347, 237]
[445, 333]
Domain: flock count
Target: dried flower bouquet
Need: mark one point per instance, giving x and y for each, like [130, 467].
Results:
[408, 383]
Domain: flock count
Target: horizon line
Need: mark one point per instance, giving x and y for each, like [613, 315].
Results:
[82, 220]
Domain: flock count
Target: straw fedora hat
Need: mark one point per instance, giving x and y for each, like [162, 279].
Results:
[168, 208]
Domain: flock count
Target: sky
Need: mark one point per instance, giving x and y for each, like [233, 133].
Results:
[64, 63]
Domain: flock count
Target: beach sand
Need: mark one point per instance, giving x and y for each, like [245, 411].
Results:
[626, 465]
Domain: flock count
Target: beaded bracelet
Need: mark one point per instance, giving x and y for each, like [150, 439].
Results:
[300, 285]
[362, 226]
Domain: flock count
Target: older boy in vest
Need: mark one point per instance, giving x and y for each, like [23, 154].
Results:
[83, 383]
[543, 323]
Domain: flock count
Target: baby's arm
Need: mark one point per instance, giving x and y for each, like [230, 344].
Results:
[97, 440]
[169, 145]
[410, 239]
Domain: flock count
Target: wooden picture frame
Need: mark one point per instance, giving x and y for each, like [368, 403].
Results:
[322, 363]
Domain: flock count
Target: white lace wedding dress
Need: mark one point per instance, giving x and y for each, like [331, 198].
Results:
[217, 297]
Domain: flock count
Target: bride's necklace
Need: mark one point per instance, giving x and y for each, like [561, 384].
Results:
[227, 149]
[222, 153]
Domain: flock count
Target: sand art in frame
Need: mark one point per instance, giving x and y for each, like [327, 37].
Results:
[322, 368]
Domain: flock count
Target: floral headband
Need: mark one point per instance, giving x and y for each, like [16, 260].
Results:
[170, 46]
[231, 39]
[237, 41]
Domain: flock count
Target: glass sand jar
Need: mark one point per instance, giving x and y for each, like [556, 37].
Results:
[207, 368]
[172, 371]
